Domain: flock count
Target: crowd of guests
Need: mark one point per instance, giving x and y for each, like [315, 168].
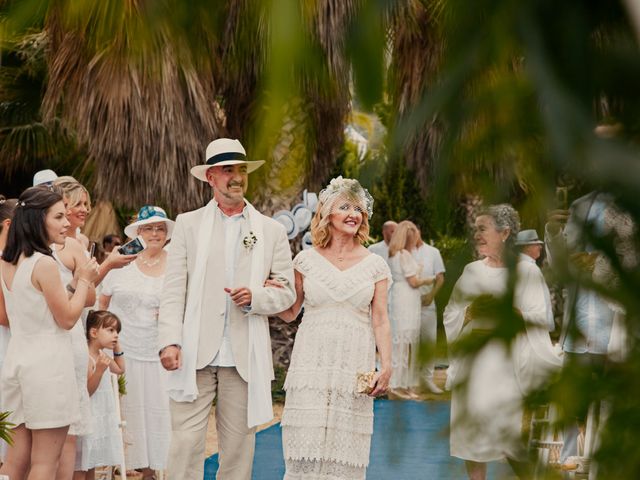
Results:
[61, 309]
[191, 318]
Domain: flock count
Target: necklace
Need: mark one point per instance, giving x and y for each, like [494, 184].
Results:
[150, 263]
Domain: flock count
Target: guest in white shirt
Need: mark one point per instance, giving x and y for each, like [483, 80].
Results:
[382, 247]
[431, 264]
[530, 251]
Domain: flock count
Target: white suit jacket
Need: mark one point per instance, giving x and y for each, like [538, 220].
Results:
[265, 301]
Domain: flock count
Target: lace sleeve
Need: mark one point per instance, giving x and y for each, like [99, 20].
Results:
[381, 271]
[301, 262]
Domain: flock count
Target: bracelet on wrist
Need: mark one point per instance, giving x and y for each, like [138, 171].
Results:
[85, 281]
[118, 354]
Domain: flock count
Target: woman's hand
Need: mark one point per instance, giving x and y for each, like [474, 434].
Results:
[380, 382]
[428, 280]
[482, 306]
[273, 283]
[117, 260]
[89, 271]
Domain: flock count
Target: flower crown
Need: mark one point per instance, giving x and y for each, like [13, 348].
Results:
[349, 187]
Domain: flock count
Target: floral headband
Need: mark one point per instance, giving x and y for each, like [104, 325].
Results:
[347, 187]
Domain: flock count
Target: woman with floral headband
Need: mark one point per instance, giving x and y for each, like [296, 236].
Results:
[328, 415]
[133, 294]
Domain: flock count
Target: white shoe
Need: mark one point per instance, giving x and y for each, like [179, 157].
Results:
[432, 387]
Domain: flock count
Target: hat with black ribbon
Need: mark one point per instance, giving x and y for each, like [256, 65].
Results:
[224, 151]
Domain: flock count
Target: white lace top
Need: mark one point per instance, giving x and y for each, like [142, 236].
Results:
[135, 299]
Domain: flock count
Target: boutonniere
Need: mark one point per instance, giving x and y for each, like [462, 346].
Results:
[249, 241]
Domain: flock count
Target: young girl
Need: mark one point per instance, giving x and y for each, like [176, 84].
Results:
[38, 383]
[102, 447]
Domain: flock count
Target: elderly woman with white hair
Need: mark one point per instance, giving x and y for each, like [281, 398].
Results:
[489, 384]
[133, 294]
[328, 415]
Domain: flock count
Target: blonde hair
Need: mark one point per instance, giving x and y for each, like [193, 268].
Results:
[404, 238]
[321, 222]
[73, 190]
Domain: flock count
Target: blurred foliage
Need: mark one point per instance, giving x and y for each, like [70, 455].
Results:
[5, 428]
[122, 384]
[277, 386]
[483, 102]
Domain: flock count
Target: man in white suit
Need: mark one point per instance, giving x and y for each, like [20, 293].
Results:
[214, 334]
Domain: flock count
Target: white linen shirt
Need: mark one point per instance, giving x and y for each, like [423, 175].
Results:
[431, 264]
[232, 227]
[381, 249]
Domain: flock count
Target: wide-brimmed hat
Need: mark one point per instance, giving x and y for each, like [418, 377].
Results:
[224, 151]
[302, 215]
[286, 219]
[307, 241]
[310, 200]
[528, 237]
[43, 177]
[149, 214]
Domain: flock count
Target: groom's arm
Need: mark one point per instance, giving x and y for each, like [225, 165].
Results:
[272, 300]
[174, 291]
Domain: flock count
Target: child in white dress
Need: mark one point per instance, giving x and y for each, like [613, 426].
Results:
[103, 447]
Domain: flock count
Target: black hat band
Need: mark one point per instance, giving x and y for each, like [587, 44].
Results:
[223, 157]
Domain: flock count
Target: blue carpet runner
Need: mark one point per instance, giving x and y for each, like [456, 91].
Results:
[410, 442]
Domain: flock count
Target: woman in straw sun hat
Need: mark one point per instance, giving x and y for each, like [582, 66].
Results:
[133, 294]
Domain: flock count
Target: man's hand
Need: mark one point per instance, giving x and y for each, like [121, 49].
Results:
[171, 357]
[240, 296]
[556, 220]
[427, 299]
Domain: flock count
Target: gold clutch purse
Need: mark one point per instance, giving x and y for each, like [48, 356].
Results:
[363, 380]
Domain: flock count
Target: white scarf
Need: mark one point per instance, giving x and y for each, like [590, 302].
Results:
[182, 383]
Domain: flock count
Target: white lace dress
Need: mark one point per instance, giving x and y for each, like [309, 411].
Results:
[326, 425]
[404, 314]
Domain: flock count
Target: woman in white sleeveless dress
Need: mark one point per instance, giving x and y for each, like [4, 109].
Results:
[38, 379]
[72, 253]
[133, 294]
[7, 206]
[405, 309]
[326, 423]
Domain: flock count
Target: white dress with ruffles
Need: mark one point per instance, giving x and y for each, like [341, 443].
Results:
[326, 425]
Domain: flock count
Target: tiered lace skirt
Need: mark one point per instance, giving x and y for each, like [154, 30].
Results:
[326, 425]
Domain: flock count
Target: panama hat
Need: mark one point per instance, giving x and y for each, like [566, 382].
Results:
[149, 214]
[302, 215]
[286, 219]
[528, 237]
[307, 241]
[224, 151]
[310, 200]
[44, 177]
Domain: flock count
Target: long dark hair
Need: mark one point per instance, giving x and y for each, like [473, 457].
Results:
[7, 207]
[28, 233]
